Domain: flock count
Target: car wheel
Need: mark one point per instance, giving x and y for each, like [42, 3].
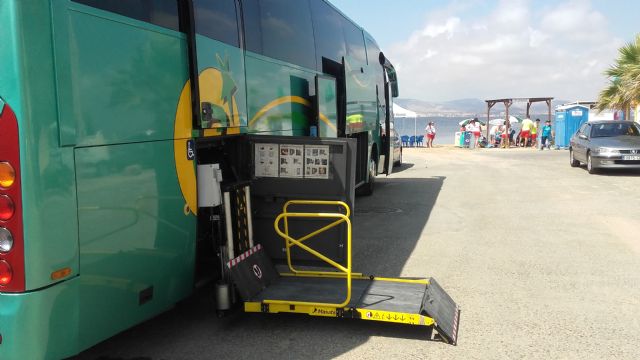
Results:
[590, 168]
[572, 161]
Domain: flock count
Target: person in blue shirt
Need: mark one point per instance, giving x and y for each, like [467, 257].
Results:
[546, 135]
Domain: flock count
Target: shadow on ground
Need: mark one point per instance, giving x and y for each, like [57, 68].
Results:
[387, 227]
[615, 172]
[402, 167]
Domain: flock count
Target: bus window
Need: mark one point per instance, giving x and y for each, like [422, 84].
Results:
[286, 32]
[327, 26]
[355, 41]
[158, 12]
[251, 22]
[373, 52]
[217, 20]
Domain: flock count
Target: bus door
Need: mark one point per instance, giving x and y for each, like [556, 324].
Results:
[390, 92]
[387, 143]
[216, 65]
[326, 106]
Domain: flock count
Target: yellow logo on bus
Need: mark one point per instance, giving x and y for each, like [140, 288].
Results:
[212, 90]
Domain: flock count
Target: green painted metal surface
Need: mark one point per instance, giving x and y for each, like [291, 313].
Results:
[119, 79]
[48, 182]
[41, 324]
[134, 235]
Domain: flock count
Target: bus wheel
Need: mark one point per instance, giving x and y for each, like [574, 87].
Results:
[367, 189]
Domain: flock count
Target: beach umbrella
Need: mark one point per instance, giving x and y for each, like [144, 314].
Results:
[466, 121]
[514, 119]
[500, 121]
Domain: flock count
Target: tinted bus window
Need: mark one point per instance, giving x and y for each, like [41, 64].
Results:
[217, 19]
[285, 31]
[355, 40]
[327, 26]
[159, 12]
[251, 21]
[373, 52]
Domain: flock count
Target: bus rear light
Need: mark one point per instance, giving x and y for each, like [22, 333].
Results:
[7, 208]
[6, 240]
[6, 274]
[12, 254]
[7, 175]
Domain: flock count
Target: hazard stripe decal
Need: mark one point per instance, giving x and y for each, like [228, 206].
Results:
[235, 261]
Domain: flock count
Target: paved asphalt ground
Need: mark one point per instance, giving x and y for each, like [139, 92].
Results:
[544, 260]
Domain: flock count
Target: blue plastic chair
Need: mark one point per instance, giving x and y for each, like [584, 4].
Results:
[405, 140]
[420, 140]
[412, 140]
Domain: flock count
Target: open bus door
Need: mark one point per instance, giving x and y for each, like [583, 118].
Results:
[326, 106]
[390, 91]
[387, 145]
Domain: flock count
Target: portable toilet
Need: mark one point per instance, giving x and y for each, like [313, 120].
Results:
[568, 119]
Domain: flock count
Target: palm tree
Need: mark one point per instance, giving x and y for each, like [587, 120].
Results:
[613, 97]
[623, 90]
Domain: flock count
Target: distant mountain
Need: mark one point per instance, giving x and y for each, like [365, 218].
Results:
[469, 107]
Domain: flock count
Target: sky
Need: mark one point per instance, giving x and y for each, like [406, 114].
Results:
[446, 50]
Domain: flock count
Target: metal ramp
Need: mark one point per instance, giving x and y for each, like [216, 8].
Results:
[340, 293]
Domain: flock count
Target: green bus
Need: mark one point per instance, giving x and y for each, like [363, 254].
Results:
[101, 102]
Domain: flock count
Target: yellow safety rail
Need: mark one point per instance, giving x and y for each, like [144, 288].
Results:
[290, 242]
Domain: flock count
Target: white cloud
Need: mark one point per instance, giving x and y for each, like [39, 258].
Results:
[447, 28]
[515, 50]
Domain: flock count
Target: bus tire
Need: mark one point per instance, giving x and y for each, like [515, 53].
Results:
[367, 188]
[399, 162]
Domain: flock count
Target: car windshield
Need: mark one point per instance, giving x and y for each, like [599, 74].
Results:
[614, 129]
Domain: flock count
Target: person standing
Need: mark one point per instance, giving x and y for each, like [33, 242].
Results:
[475, 129]
[431, 134]
[546, 135]
[492, 134]
[505, 134]
[526, 131]
[534, 133]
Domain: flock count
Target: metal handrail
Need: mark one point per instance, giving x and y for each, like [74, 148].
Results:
[290, 242]
[312, 234]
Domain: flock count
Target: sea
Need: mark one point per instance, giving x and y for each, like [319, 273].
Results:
[446, 127]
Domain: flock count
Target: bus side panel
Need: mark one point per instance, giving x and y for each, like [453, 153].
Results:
[9, 45]
[137, 240]
[27, 84]
[118, 78]
[278, 96]
[40, 324]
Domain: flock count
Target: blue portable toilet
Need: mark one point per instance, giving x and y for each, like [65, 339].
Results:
[567, 121]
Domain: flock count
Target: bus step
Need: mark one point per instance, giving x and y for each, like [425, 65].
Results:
[437, 304]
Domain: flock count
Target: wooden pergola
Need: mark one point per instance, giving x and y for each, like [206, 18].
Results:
[508, 102]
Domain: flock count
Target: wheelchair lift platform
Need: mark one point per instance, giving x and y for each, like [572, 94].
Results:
[339, 292]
